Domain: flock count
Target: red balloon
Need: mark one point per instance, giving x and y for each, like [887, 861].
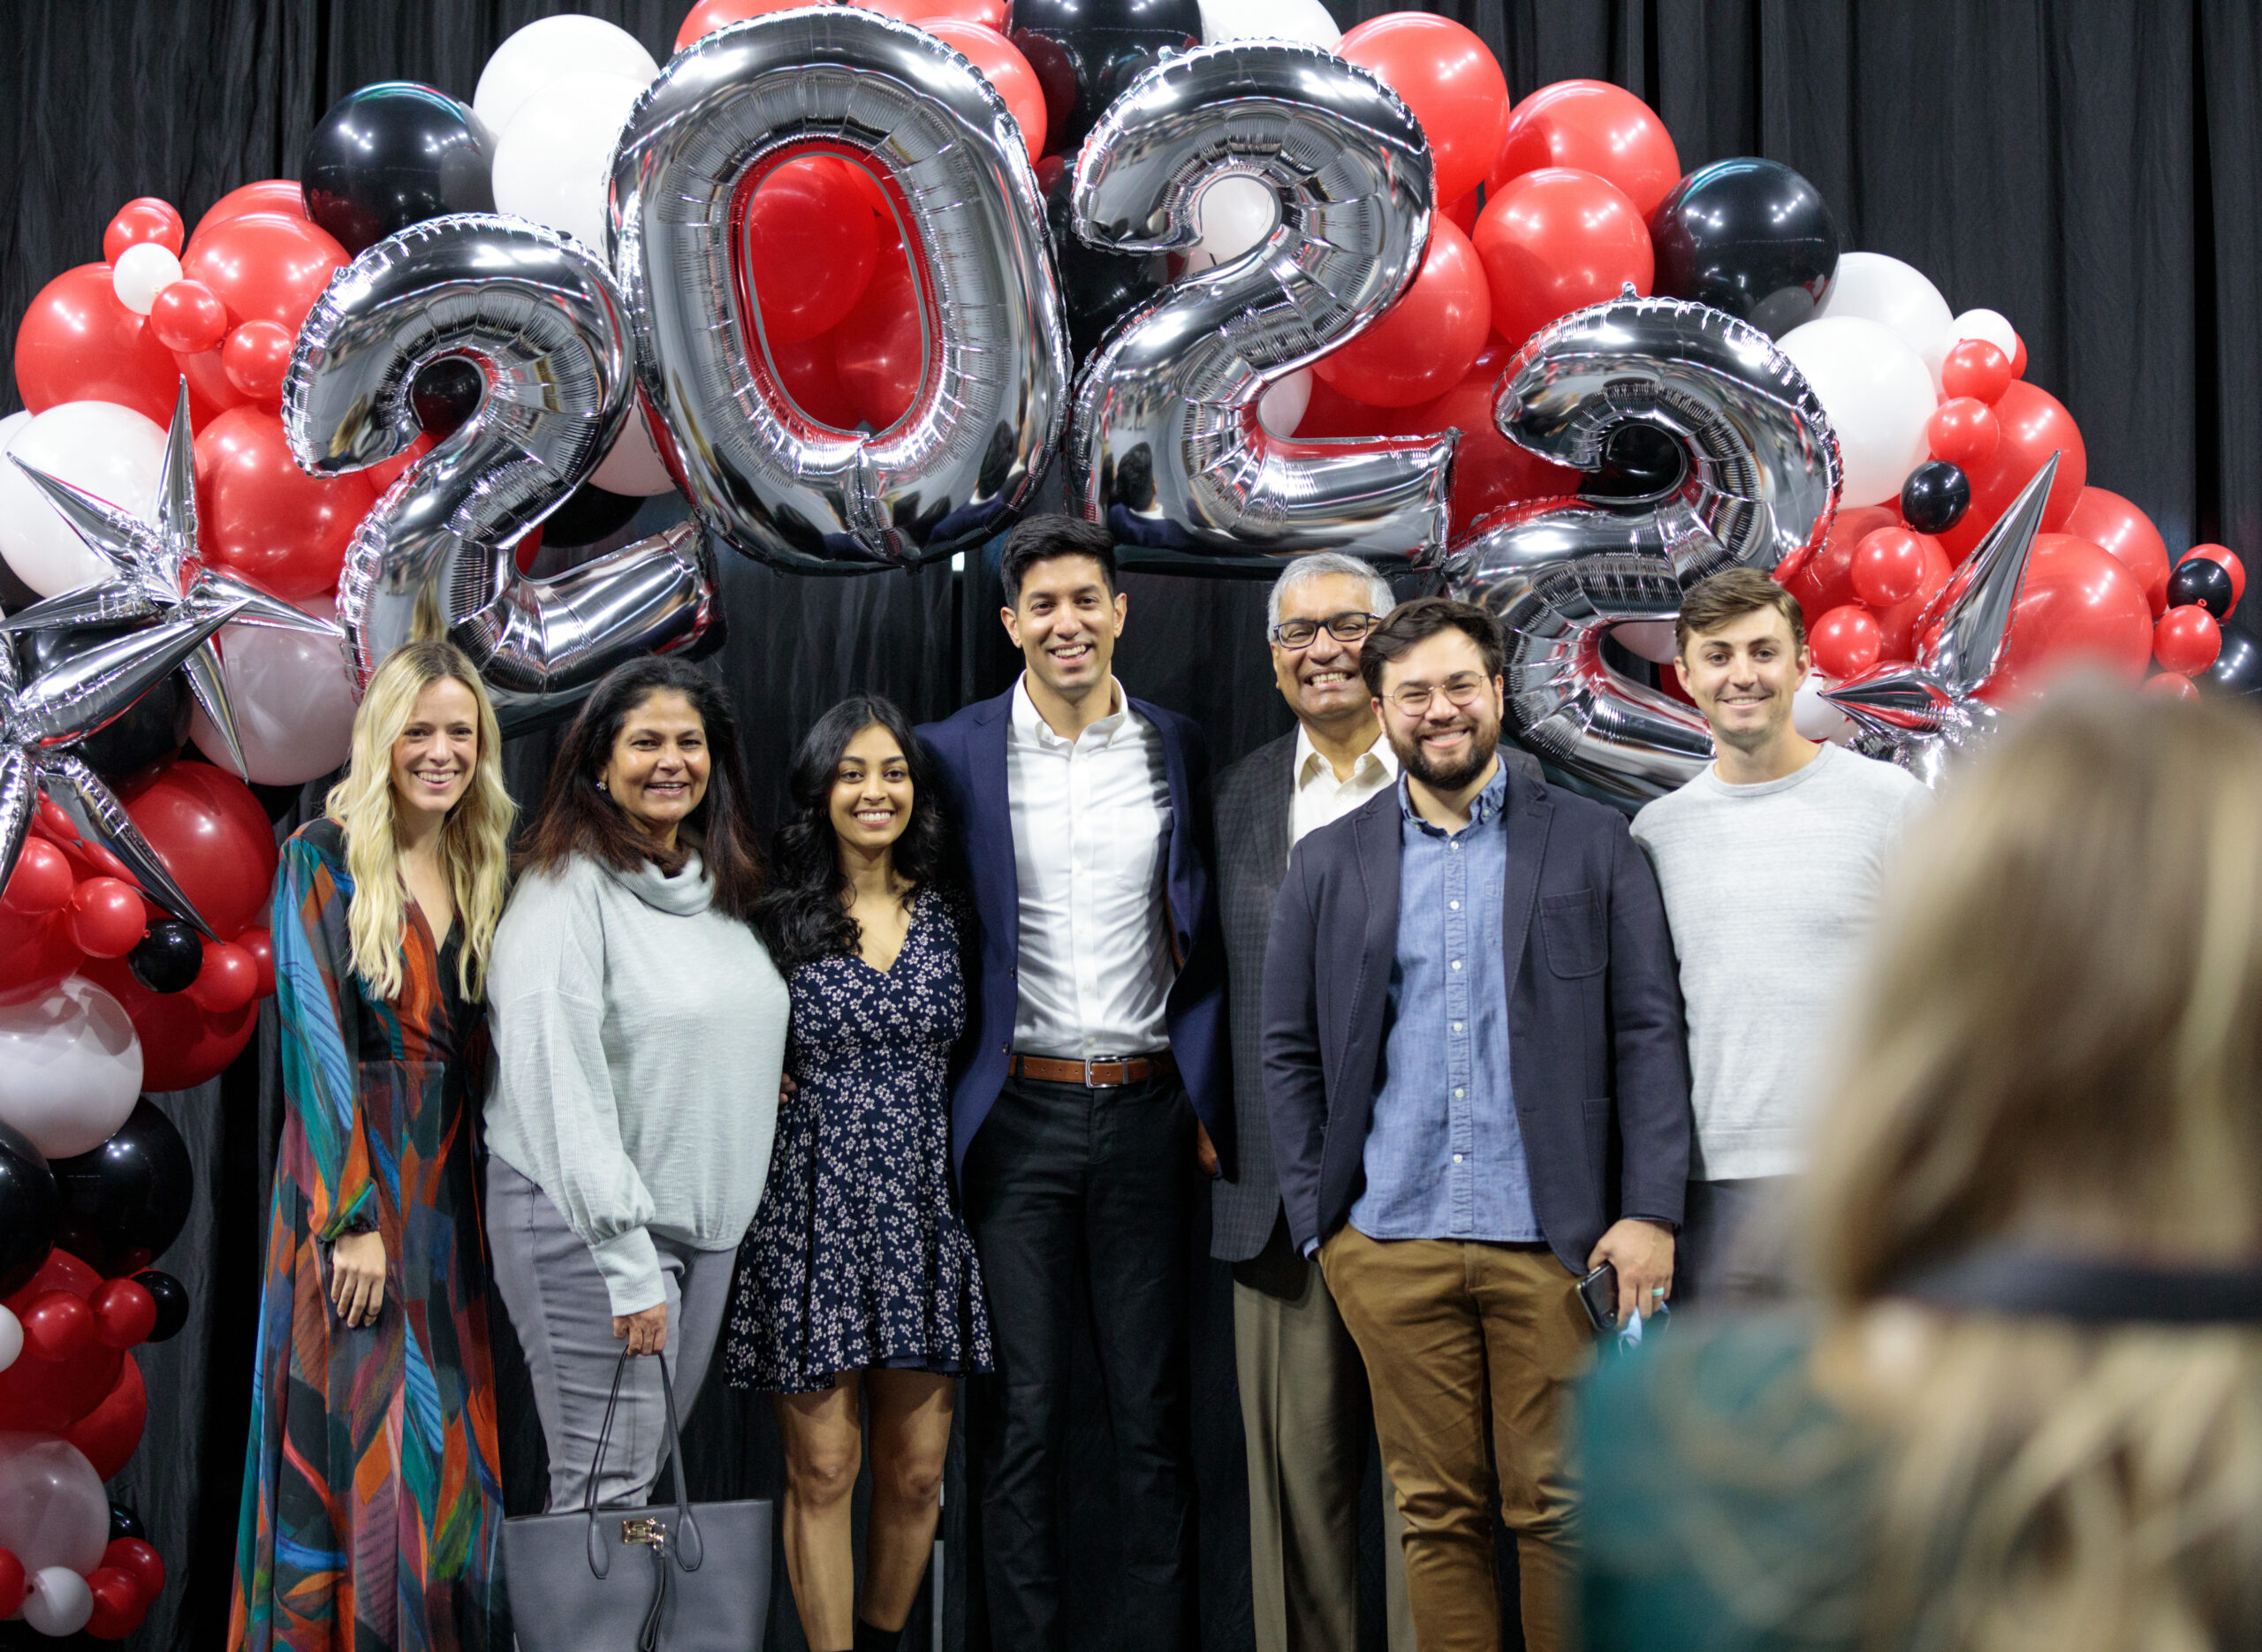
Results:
[1963, 430]
[13, 1588]
[285, 195]
[877, 351]
[56, 1325]
[181, 1045]
[996, 14]
[146, 219]
[1888, 566]
[1452, 82]
[2034, 425]
[809, 245]
[214, 839]
[138, 1561]
[229, 980]
[2229, 560]
[255, 358]
[106, 1435]
[1489, 471]
[1554, 240]
[125, 1312]
[2172, 685]
[106, 917]
[1897, 624]
[2108, 520]
[1827, 579]
[1462, 213]
[809, 376]
[1004, 67]
[50, 1395]
[35, 953]
[2077, 606]
[1976, 369]
[709, 15]
[77, 342]
[2187, 640]
[1331, 416]
[2018, 356]
[263, 266]
[263, 518]
[188, 317]
[261, 945]
[41, 881]
[1846, 641]
[1595, 127]
[1424, 344]
[120, 1605]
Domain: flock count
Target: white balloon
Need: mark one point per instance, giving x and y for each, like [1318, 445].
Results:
[1233, 214]
[1652, 639]
[1885, 290]
[70, 1067]
[60, 1602]
[632, 464]
[292, 697]
[1816, 719]
[1877, 393]
[53, 1509]
[553, 162]
[11, 1337]
[142, 271]
[1305, 21]
[1991, 325]
[1282, 406]
[545, 52]
[111, 451]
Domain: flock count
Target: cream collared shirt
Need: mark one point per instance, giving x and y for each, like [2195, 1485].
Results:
[1320, 798]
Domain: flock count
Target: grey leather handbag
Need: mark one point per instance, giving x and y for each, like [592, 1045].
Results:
[694, 1577]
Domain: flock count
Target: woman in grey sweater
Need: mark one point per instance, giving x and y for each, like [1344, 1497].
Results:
[640, 1029]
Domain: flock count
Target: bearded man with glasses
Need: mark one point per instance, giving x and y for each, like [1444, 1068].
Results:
[1478, 1092]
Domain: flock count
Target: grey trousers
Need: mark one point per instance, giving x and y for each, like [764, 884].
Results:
[1730, 1253]
[1305, 1412]
[557, 1304]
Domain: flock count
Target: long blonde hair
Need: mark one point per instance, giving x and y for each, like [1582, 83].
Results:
[2059, 1048]
[475, 843]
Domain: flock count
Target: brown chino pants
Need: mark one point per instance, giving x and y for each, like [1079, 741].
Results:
[1460, 1338]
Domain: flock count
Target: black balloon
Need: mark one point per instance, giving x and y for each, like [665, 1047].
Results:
[125, 1201]
[1750, 237]
[589, 514]
[1084, 67]
[168, 956]
[123, 1522]
[393, 154]
[2203, 580]
[171, 1297]
[1935, 496]
[1097, 289]
[2237, 670]
[29, 1209]
[1640, 463]
[446, 394]
[154, 728]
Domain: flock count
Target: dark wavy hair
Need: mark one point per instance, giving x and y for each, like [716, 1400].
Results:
[577, 818]
[804, 915]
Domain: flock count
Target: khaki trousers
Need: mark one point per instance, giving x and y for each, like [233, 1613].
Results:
[1305, 1413]
[1462, 1341]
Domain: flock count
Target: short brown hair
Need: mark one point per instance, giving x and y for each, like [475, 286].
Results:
[1419, 620]
[1729, 594]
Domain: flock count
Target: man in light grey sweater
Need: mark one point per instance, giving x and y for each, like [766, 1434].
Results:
[1769, 861]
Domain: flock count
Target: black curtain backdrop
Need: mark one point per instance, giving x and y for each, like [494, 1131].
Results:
[2093, 171]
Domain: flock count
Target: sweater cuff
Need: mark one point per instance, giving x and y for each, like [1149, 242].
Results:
[631, 1266]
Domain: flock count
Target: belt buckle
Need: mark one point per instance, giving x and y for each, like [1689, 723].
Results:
[1092, 1083]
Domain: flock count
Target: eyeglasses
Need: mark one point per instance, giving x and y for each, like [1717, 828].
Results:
[1299, 633]
[1414, 700]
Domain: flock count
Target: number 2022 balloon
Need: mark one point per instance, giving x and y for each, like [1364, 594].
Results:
[1758, 488]
[961, 463]
[1166, 445]
[539, 317]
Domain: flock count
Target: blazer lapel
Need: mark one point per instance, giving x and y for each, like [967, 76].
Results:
[1529, 814]
[1376, 829]
[1269, 837]
[992, 808]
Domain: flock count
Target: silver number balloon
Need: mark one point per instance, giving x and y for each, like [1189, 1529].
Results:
[1758, 491]
[539, 317]
[1165, 444]
[761, 472]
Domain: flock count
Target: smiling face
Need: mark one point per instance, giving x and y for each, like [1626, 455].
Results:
[1743, 678]
[1320, 681]
[871, 791]
[1066, 624]
[1445, 745]
[435, 754]
[657, 770]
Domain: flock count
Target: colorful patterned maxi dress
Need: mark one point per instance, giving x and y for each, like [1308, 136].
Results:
[373, 1506]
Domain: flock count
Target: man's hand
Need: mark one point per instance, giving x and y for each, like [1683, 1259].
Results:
[1204, 1150]
[1643, 1254]
[357, 1277]
[646, 1331]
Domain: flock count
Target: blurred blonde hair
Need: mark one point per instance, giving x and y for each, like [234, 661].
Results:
[475, 842]
[2059, 1047]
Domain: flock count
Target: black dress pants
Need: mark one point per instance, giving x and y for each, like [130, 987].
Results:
[1058, 1179]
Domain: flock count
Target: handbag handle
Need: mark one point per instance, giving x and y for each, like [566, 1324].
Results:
[690, 1549]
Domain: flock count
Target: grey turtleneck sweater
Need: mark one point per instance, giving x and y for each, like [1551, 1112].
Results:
[639, 1036]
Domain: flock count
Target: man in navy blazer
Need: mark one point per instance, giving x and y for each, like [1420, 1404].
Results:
[1478, 1090]
[1092, 1078]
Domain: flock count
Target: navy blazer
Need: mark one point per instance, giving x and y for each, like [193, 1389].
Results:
[969, 750]
[1595, 1047]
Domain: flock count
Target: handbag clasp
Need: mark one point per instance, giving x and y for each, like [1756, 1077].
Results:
[645, 1529]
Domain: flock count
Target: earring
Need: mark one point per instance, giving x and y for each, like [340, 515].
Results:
[602, 787]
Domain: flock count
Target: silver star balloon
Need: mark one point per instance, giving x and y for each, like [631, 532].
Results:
[156, 573]
[41, 720]
[1920, 713]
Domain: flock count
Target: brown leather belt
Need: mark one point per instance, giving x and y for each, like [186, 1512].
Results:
[1106, 1073]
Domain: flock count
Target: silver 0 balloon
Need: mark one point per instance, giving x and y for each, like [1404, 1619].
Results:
[1165, 444]
[538, 314]
[1758, 488]
[762, 473]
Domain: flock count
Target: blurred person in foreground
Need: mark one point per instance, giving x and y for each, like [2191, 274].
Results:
[2025, 1409]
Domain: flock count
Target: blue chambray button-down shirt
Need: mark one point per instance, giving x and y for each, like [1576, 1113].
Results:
[1445, 1156]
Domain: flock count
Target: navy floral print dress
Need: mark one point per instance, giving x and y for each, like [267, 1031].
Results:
[858, 1257]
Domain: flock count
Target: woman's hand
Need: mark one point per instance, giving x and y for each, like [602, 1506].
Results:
[646, 1331]
[357, 1276]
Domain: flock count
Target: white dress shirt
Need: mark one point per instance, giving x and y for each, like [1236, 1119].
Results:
[1320, 799]
[1091, 832]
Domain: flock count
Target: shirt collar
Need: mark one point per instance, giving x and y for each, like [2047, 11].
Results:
[1030, 728]
[1489, 803]
[1379, 754]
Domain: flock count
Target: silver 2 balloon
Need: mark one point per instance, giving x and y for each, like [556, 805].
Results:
[761, 473]
[1166, 445]
[1759, 489]
[540, 317]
